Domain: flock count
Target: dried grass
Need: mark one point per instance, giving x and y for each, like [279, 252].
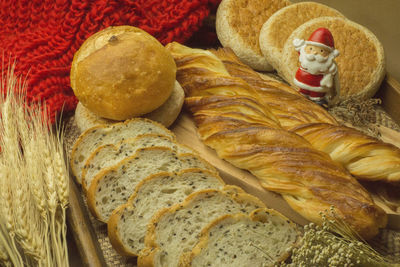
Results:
[34, 182]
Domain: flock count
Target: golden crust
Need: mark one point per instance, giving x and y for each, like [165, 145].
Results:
[283, 161]
[122, 72]
[277, 29]
[289, 107]
[364, 157]
[165, 114]
[361, 64]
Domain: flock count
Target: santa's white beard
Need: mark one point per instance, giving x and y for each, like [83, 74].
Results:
[315, 64]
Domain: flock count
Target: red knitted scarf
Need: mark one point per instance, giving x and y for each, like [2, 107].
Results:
[43, 35]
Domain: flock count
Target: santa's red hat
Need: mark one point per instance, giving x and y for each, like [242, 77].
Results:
[322, 37]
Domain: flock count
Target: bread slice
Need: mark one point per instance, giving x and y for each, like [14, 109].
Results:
[110, 154]
[175, 231]
[127, 225]
[263, 238]
[113, 186]
[166, 114]
[110, 134]
[361, 63]
[238, 25]
[277, 29]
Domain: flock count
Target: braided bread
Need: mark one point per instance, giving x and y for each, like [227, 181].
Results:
[364, 157]
[244, 132]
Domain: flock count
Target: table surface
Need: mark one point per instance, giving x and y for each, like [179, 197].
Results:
[382, 17]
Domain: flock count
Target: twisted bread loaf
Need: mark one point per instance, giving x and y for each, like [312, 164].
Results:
[244, 132]
[364, 157]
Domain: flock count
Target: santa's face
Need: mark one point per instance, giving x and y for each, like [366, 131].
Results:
[316, 50]
[315, 59]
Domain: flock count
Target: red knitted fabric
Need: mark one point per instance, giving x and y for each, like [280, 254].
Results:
[43, 35]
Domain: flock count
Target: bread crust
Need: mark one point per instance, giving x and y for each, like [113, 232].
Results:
[364, 157]
[361, 64]
[257, 215]
[166, 114]
[146, 256]
[275, 31]
[283, 161]
[112, 224]
[74, 162]
[115, 147]
[235, 16]
[122, 72]
[91, 193]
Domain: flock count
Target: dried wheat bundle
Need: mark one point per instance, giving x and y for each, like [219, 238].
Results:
[335, 244]
[33, 182]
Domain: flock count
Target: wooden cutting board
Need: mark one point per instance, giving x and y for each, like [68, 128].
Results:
[186, 132]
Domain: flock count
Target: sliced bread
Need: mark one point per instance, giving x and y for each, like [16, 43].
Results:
[238, 24]
[110, 134]
[361, 63]
[127, 225]
[174, 231]
[282, 23]
[113, 186]
[262, 239]
[110, 154]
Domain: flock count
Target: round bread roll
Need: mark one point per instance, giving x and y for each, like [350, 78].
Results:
[166, 114]
[361, 63]
[238, 24]
[122, 72]
[277, 29]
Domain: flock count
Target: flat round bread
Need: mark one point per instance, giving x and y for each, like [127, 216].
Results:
[361, 63]
[277, 29]
[166, 114]
[238, 24]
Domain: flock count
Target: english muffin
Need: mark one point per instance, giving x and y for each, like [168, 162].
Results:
[238, 24]
[361, 63]
[276, 30]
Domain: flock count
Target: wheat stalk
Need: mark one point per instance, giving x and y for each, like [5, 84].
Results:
[34, 182]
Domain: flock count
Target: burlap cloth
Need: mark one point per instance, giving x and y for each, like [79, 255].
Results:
[387, 242]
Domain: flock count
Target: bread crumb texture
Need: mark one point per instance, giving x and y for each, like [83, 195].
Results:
[248, 16]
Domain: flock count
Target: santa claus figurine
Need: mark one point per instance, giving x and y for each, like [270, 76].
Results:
[316, 75]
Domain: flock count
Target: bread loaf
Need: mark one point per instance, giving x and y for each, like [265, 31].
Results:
[110, 154]
[364, 157]
[284, 162]
[263, 238]
[165, 242]
[113, 186]
[165, 114]
[100, 135]
[122, 72]
[127, 225]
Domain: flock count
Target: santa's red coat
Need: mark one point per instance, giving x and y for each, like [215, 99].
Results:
[308, 81]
